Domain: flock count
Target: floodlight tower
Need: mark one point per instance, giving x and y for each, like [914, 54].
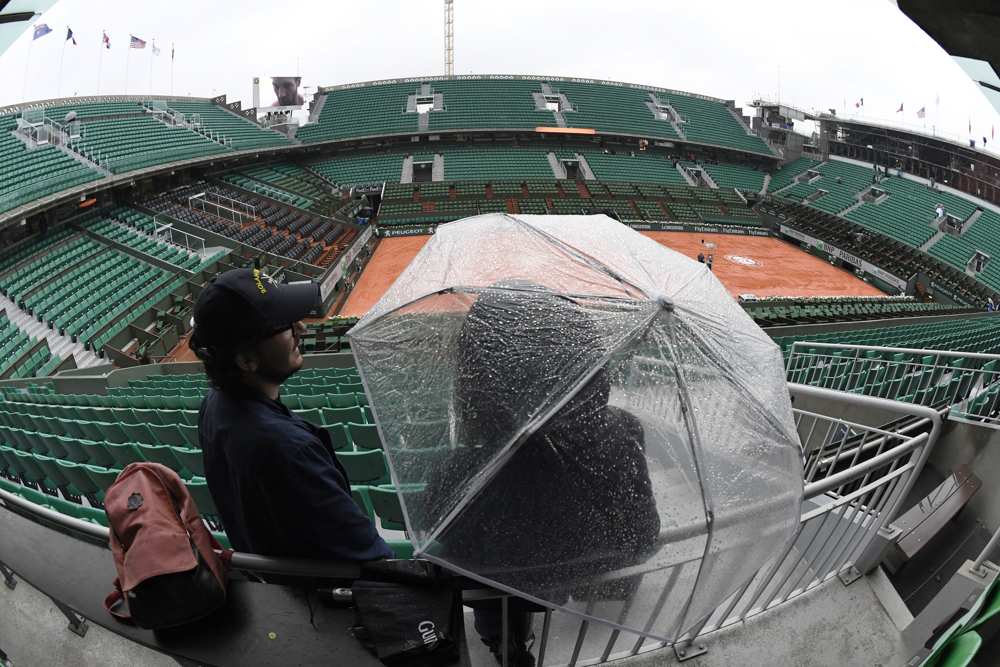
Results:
[449, 37]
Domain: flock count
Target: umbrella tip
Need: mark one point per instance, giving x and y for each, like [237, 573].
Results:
[664, 302]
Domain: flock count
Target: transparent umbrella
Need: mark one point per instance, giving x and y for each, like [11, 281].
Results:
[574, 414]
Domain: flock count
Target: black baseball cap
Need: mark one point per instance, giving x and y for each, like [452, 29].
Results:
[244, 305]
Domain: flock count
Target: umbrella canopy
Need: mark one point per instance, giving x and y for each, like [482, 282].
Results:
[575, 414]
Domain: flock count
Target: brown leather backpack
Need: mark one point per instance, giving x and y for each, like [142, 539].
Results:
[168, 571]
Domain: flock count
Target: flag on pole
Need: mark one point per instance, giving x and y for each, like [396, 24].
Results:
[106, 40]
[69, 35]
[860, 103]
[136, 43]
[41, 30]
[156, 49]
[922, 112]
[900, 109]
[171, 52]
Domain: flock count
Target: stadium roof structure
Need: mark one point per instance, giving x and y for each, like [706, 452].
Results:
[16, 16]
[967, 30]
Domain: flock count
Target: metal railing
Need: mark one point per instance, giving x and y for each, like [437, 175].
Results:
[963, 384]
[855, 478]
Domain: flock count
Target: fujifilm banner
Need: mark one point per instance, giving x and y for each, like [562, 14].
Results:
[845, 256]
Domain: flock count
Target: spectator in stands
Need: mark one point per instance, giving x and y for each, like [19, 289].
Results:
[939, 209]
[286, 89]
[701, 257]
[275, 480]
[990, 306]
[582, 474]
[709, 260]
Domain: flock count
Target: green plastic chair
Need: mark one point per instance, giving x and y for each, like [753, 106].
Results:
[956, 652]
[385, 502]
[80, 481]
[339, 437]
[101, 477]
[191, 459]
[367, 467]
[360, 495]
[343, 415]
[124, 453]
[161, 454]
[364, 436]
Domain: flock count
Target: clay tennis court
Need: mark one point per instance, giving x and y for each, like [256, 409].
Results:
[755, 265]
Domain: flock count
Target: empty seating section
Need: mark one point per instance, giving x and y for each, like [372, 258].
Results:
[841, 181]
[640, 167]
[14, 343]
[510, 104]
[980, 334]
[477, 104]
[783, 312]
[242, 132]
[27, 174]
[279, 230]
[85, 110]
[64, 450]
[292, 178]
[88, 297]
[362, 111]
[982, 235]
[489, 162]
[116, 229]
[736, 176]
[785, 176]
[356, 169]
[711, 122]
[254, 185]
[126, 144]
[613, 109]
[907, 213]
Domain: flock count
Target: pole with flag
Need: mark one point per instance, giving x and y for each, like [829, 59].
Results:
[40, 31]
[62, 55]
[155, 51]
[105, 44]
[922, 115]
[133, 43]
[171, 68]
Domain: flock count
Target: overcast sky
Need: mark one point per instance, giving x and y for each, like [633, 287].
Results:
[815, 54]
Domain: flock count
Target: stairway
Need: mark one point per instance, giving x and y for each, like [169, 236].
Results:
[938, 235]
[59, 345]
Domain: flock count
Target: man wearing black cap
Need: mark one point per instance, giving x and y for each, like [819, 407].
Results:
[273, 476]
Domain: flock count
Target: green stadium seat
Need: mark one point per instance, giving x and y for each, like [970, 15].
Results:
[385, 502]
[191, 459]
[365, 467]
[364, 436]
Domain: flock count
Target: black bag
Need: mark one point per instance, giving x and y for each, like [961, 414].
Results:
[408, 613]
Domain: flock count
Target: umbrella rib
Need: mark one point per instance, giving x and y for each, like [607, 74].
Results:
[489, 471]
[696, 455]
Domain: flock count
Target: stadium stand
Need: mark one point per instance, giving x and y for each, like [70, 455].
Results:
[27, 174]
[513, 103]
[350, 169]
[295, 179]
[278, 229]
[894, 256]
[839, 181]
[978, 334]
[68, 448]
[126, 144]
[785, 175]
[487, 162]
[782, 312]
[982, 235]
[638, 167]
[240, 132]
[736, 176]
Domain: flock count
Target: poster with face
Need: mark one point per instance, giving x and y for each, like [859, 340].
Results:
[286, 91]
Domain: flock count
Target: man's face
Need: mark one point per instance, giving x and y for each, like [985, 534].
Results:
[278, 357]
[286, 91]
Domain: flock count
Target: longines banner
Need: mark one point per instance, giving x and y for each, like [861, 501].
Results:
[853, 260]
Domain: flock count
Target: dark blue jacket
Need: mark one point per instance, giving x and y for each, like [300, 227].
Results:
[277, 483]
